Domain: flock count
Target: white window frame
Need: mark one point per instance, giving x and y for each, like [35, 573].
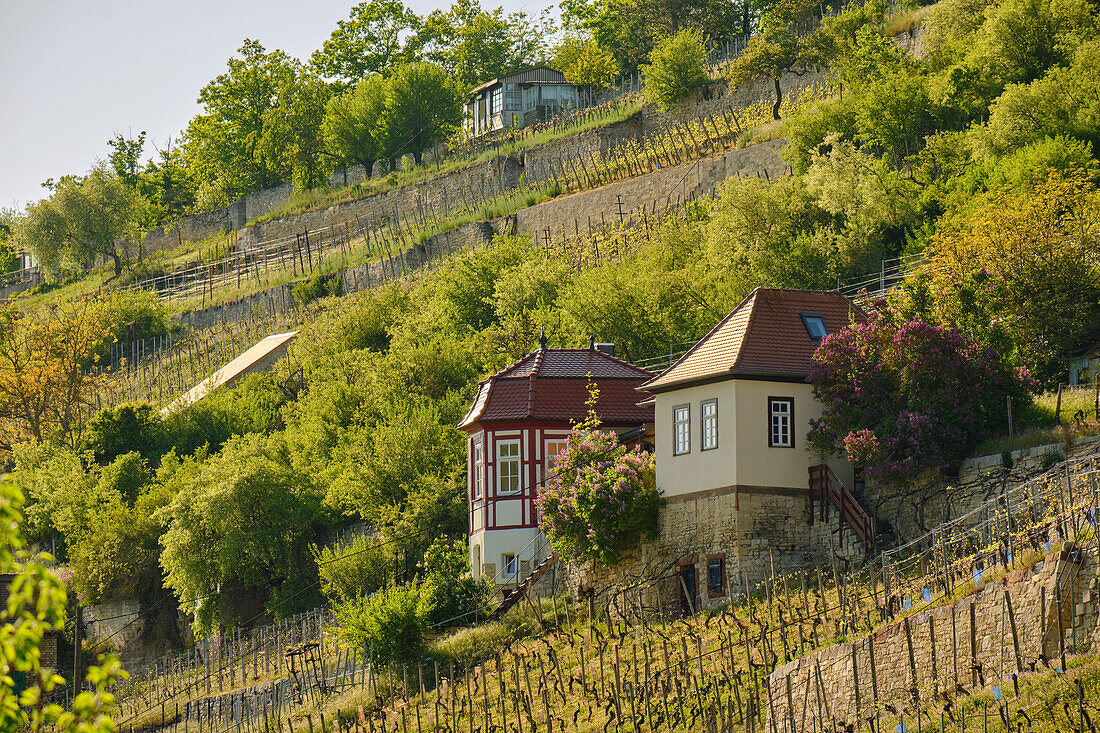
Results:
[517, 459]
[551, 455]
[479, 470]
[708, 424]
[781, 422]
[681, 430]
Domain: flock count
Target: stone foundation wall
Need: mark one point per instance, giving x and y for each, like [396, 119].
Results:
[940, 640]
[753, 530]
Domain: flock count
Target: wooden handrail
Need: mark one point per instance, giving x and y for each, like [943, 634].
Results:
[829, 490]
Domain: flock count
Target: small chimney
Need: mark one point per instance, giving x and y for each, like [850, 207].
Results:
[606, 348]
[591, 343]
[542, 339]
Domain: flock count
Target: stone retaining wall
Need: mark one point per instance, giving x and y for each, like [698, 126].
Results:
[941, 656]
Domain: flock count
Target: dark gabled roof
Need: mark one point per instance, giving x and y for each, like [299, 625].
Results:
[764, 336]
[552, 385]
[535, 74]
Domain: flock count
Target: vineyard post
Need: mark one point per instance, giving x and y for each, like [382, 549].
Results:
[974, 648]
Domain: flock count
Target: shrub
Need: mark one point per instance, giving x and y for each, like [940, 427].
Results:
[319, 286]
[901, 397]
[352, 569]
[457, 598]
[128, 427]
[601, 499]
[392, 622]
[675, 68]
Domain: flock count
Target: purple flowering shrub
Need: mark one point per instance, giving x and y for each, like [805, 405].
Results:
[601, 498]
[904, 396]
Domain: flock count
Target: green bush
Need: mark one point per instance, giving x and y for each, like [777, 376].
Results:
[319, 286]
[352, 569]
[250, 407]
[392, 622]
[457, 598]
[675, 68]
[128, 427]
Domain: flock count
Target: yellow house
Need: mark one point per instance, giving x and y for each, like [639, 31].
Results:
[743, 488]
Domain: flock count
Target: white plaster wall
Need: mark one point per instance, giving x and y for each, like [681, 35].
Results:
[697, 470]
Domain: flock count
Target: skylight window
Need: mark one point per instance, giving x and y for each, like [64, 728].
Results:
[815, 326]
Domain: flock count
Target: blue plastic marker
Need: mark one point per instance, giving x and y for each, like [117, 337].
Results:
[906, 604]
[997, 694]
[927, 595]
[900, 728]
[978, 578]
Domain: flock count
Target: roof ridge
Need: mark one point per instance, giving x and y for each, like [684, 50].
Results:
[755, 295]
[531, 382]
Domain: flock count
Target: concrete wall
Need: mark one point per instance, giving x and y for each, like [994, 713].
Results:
[845, 669]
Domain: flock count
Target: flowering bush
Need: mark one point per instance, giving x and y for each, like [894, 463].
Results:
[900, 397]
[600, 499]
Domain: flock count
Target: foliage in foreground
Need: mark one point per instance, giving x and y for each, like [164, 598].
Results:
[35, 608]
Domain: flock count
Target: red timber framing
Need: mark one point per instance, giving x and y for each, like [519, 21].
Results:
[530, 407]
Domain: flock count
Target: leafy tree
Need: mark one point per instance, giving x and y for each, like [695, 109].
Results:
[83, 218]
[63, 496]
[476, 45]
[675, 69]
[241, 526]
[356, 122]
[124, 428]
[352, 569]
[1062, 102]
[779, 49]
[377, 36]
[424, 106]
[224, 143]
[1011, 249]
[292, 138]
[585, 63]
[901, 397]
[630, 29]
[36, 607]
[45, 382]
[456, 597]
[601, 499]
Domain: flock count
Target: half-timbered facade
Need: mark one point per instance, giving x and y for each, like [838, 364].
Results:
[517, 426]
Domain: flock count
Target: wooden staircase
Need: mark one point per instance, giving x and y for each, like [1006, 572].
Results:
[515, 595]
[830, 492]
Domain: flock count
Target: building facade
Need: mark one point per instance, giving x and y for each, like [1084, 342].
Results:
[518, 100]
[731, 419]
[518, 424]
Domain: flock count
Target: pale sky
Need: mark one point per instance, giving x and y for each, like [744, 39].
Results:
[75, 73]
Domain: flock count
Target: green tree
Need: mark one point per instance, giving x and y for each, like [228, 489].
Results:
[292, 136]
[355, 123]
[585, 63]
[378, 35]
[224, 143]
[242, 526]
[424, 105]
[82, 219]
[779, 49]
[675, 69]
[476, 45]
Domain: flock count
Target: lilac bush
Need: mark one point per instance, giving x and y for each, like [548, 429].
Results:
[904, 396]
[601, 498]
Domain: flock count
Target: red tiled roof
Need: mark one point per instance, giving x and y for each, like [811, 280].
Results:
[764, 336]
[552, 384]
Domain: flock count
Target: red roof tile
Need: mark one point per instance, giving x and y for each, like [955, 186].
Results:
[552, 385]
[764, 336]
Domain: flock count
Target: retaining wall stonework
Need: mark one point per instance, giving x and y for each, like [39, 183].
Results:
[753, 529]
[712, 98]
[931, 650]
